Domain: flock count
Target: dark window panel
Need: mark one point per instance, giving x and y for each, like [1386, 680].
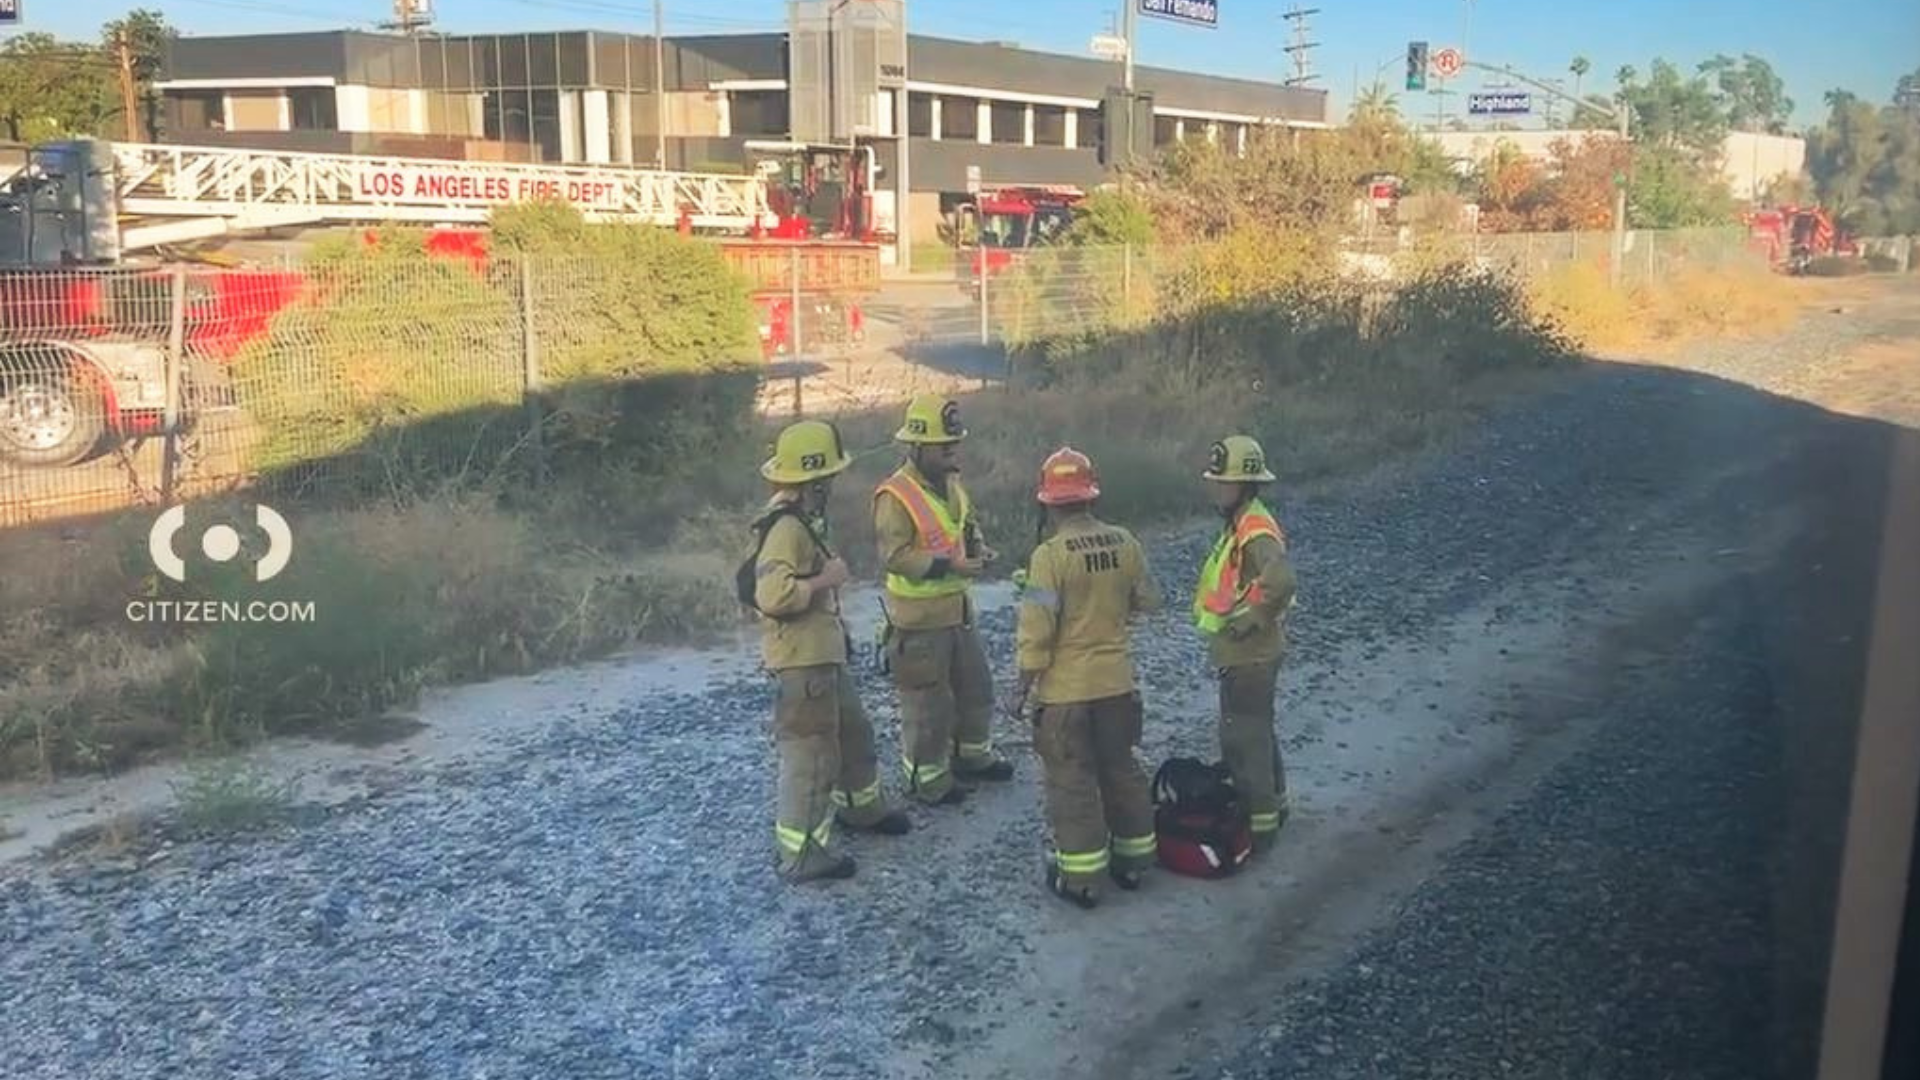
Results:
[1009, 123]
[516, 116]
[959, 117]
[759, 112]
[487, 59]
[610, 61]
[1049, 125]
[433, 64]
[919, 115]
[513, 60]
[459, 56]
[1163, 130]
[575, 69]
[543, 59]
[545, 121]
[312, 109]
[1091, 128]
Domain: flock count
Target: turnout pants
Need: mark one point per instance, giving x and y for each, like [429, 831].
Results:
[946, 706]
[1249, 746]
[1099, 805]
[827, 766]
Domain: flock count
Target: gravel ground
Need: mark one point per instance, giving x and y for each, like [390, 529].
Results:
[1657, 906]
[597, 900]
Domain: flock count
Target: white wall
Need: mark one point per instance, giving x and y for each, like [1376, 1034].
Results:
[1748, 161]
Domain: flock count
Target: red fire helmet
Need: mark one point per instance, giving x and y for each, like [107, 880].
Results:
[1067, 476]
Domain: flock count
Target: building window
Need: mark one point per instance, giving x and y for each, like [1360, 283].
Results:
[759, 112]
[313, 109]
[1050, 125]
[959, 118]
[1009, 122]
[1165, 130]
[920, 116]
[1091, 130]
[201, 110]
[545, 121]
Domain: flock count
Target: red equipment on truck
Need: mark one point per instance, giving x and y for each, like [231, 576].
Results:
[1002, 222]
[84, 329]
[1793, 236]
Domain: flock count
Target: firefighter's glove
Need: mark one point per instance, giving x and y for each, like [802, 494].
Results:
[1243, 626]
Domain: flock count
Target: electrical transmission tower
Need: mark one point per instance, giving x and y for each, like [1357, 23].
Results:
[1303, 72]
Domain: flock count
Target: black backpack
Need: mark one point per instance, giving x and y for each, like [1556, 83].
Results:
[1201, 825]
[747, 575]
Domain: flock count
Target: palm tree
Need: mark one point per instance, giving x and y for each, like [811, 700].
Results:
[1580, 66]
[1376, 101]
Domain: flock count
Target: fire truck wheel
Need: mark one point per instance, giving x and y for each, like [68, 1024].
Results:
[48, 418]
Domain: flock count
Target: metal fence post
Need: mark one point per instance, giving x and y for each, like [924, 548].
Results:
[530, 368]
[793, 310]
[1126, 277]
[985, 337]
[176, 360]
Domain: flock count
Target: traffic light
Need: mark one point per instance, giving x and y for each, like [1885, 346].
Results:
[1416, 65]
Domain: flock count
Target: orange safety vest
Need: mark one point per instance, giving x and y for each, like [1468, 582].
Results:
[940, 531]
[1222, 596]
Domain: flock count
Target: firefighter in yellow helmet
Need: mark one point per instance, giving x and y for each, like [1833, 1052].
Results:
[932, 550]
[1084, 583]
[1245, 589]
[827, 765]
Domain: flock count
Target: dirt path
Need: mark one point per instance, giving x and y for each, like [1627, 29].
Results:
[568, 874]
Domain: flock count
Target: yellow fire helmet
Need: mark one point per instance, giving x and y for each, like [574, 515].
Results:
[1238, 459]
[807, 450]
[932, 419]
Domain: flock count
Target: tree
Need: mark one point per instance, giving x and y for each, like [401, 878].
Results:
[1580, 66]
[51, 89]
[1751, 94]
[149, 38]
[1675, 112]
[1864, 161]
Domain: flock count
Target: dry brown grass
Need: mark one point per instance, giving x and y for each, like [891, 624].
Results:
[1687, 305]
[443, 589]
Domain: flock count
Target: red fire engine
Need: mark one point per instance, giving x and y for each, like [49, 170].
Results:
[1003, 222]
[1794, 236]
[84, 327]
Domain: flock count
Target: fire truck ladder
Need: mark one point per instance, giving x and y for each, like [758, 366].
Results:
[224, 189]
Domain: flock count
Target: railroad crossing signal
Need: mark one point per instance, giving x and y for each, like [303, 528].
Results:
[1416, 65]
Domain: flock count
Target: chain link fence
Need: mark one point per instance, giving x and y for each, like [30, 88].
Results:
[1651, 255]
[129, 387]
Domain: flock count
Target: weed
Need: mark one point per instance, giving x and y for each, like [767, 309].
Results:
[227, 797]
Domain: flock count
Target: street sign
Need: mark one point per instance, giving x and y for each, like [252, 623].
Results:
[9, 12]
[1448, 62]
[1192, 12]
[1503, 103]
[973, 180]
[1104, 46]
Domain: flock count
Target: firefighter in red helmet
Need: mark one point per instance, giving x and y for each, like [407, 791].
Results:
[1083, 585]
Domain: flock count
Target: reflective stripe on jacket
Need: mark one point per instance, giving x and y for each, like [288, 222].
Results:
[1223, 595]
[940, 532]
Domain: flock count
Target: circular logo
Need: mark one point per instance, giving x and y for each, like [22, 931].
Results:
[1448, 62]
[950, 418]
[1217, 459]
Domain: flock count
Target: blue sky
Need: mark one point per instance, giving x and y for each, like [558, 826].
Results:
[1862, 45]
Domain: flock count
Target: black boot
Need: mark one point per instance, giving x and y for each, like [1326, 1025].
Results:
[1080, 897]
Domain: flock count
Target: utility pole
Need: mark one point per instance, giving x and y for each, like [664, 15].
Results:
[1300, 46]
[1129, 29]
[659, 87]
[129, 101]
